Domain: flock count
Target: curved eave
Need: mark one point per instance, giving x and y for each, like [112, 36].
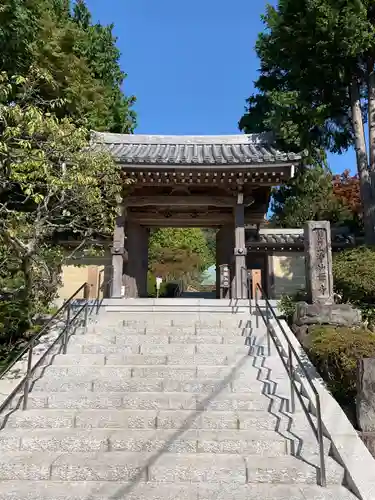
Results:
[289, 165]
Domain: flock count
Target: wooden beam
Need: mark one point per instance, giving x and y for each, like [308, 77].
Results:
[211, 183]
[182, 220]
[180, 201]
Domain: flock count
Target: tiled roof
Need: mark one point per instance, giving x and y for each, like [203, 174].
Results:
[188, 150]
[293, 237]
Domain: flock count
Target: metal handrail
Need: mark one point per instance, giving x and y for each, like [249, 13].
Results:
[289, 367]
[98, 300]
[29, 348]
[247, 283]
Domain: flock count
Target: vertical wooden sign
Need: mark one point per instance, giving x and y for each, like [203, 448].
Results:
[256, 279]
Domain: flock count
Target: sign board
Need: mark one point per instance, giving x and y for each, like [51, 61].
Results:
[224, 276]
[159, 281]
[256, 279]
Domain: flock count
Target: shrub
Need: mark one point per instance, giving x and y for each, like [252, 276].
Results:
[167, 289]
[354, 279]
[335, 352]
[287, 304]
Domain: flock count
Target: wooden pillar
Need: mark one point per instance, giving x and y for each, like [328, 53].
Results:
[240, 271]
[224, 253]
[118, 254]
[270, 276]
[136, 268]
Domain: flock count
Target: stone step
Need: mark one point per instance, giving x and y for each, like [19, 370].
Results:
[203, 321]
[114, 383]
[143, 359]
[173, 331]
[158, 349]
[244, 368]
[136, 339]
[166, 468]
[202, 441]
[272, 362]
[93, 490]
[176, 308]
[156, 419]
[146, 401]
[199, 320]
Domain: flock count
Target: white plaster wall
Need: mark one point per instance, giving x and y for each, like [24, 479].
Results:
[73, 276]
[288, 273]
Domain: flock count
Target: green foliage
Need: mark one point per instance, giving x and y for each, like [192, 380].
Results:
[287, 304]
[309, 52]
[13, 321]
[59, 78]
[151, 286]
[317, 84]
[335, 352]
[167, 289]
[175, 252]
[81, 59]
[210, 235]
[308, 196]
[50, 184]
[354, 279]
[98, 47]
[287, 307]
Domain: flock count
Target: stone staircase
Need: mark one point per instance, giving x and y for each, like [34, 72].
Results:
[162, 407]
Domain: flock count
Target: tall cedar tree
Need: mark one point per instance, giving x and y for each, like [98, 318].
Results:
[58, 37]
[317, 83]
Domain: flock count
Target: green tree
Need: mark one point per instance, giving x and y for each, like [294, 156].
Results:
[81, 58]
[183, 249]
[210, 235]
[308, 196]
[102, 55]
[49, 184]
[317, 83]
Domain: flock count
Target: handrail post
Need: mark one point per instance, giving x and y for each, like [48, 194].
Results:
[67, 329]
[323, 478]
[86, 317]
[292, 408]
[249, 291]
[98, 291]
[26, 385]
[268, 326]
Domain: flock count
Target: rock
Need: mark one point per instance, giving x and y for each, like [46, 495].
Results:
[369, 439]
[365, 400]
[302, 334]
[326, 314]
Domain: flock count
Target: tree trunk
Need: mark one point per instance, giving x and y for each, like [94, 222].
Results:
[371, 114]
[362, 164]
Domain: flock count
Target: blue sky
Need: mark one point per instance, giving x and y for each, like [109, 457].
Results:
[191, 65]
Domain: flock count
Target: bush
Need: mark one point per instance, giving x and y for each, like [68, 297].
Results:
[354, 279]
[151, 286]
[287, 304]
[335, 352]
[167, 289]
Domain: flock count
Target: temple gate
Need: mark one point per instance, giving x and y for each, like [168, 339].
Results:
[192, 181]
